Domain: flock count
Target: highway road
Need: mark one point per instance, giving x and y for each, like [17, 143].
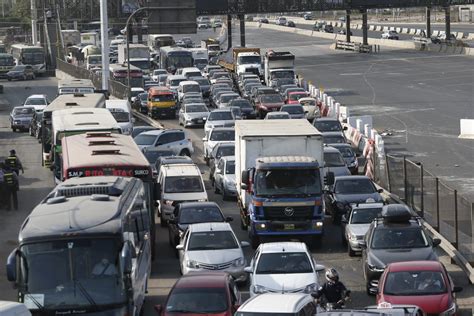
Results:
[346, 75]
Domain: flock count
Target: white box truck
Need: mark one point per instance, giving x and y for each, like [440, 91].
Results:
[139, 57]
[278, 65]
[279, 178]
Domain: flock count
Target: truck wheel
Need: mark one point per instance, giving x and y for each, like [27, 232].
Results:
[254, 241]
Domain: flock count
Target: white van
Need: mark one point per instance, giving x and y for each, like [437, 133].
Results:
[121, 111]
[13, 309]
[179, 183]
[189, 72]
[186, 87]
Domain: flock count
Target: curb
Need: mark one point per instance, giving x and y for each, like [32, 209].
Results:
[147, 119]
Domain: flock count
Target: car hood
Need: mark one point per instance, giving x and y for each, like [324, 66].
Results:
[338, 171]
[22, 117]
[271, 105]
[188, 196]
[215, 256]
[382, 257]
[193, 115]
[359, 229]
[430, 304]
[290, 281]
[357, 198]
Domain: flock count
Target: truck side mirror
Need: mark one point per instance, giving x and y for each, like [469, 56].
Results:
[126, 258]
[11, 266]
[329, 178]
[245, 177]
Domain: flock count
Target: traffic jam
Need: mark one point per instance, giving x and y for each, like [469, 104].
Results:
[268, 148]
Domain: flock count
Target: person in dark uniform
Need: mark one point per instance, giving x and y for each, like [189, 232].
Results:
[333, 290]
[11, 186]
[3, 193]
[14, 162]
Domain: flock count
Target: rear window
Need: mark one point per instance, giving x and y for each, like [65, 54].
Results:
[186, 184]
[222, 135]
[162, 98]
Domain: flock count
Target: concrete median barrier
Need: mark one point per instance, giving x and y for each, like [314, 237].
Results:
[467, 128]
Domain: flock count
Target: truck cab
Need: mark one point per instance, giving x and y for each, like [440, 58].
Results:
[279, 65]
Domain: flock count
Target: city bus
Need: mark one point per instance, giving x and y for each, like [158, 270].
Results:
[156, 41]
[73, 121]
[6, 64]
[172, 58]
[67, 101]
[30, 55]
[118, 72]
[107, 154]
[85, 249]
[72, 86]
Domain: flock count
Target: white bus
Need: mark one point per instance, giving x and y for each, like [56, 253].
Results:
[30, 55]
[156, 41]
[72, 86]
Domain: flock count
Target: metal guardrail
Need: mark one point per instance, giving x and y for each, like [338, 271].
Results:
[356, 47]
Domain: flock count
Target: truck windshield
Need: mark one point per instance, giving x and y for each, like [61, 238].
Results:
[333, 160]
[72, 273]
[121, 117]
[283, 74]
[288, 182]
[249, 60]
[142, 64]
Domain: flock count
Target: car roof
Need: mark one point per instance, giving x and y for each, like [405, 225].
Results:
[188, 82]
[202, 280]
[228, 158]
[206, 227]
[333, 133]
[225, 129]
[423, 265]
[286, 246]
[221, 110]
[185, 169]
[326, 119]
[154, 132]
[137, 89]
[330, 149]
[174, 77]
[197, 204]
[361, 206]
[355, 177]
[37, 96]
[276, 303]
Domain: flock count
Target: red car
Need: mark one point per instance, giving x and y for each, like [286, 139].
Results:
[294, 96]
[209, 293]
[268, 103]
[426, 284]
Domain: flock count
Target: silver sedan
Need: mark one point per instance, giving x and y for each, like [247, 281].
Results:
[193, 114]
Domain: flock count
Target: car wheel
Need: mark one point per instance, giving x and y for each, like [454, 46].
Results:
[185, 152]
[13, 129]
[350, 252]
[170, 242]
[216, 189]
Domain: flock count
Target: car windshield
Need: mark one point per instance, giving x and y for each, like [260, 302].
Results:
[135, 93]
[191, 88]
[184, 184]
[284, 262]
[202, 81]
[249, 60]
[121, 117]
[328, 126]
[334, 139]
[283, 74]
[293, 109]
[195, 108]
[221, 116]
[271, 98]
[175, 82]
[364, 215]
[277, 116]
[197, 300]
[23, 111]
[36, 101]
[228, 97]
[308, 102]
[157, 72]
[72, 273]
[200, 214]
[346, 152]
[243, 104]
[354, 186]
[281, 182]
[19, 68]
[230, 167]
[143, 96]
[297, 96]
[394, 237]
[212, 240]
[217, 75]
[162, 98]
[140, 129]
[143, 139]
[226, 135]
[413, 283]
[248, 87]
[224, 151]
[333, 160]
[153, 155]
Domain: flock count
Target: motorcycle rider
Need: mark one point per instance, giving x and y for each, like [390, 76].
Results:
[334, 291]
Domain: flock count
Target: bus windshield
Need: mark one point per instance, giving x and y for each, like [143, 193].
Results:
[142, 64]
[72, 273]
[6, 61]
[180, 61]
[33, 58]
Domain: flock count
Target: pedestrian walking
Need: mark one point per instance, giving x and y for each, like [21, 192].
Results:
[11, 187]
[14, 162]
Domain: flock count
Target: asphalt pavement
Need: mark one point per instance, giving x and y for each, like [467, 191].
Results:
[348, 76]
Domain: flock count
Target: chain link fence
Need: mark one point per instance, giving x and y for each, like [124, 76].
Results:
[440, 205]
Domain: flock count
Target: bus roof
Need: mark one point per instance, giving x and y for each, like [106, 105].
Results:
[73, 207]
[68, 101]
[101, 150]
[114, 67]
[76, 83]
[83, 119]
[24, 46]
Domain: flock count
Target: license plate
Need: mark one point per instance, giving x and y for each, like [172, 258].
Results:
[200, 121]
[289, 226]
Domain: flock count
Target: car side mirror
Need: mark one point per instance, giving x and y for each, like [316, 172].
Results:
[319, 267]
[245, 177]
[329, 178]
[11, 266]
[344, 128]
[126, 258]
[380, 190]
[374, 290]
[363, 244]
[204, 139]
[219, 171]
[229, 219]
[244, 244]
[158, 308]
[243, 186]
[248, 269]
[436, 242]
[180, 247]
[457, 289]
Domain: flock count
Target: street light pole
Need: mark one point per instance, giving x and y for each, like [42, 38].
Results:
[34, 30]
[104, 30]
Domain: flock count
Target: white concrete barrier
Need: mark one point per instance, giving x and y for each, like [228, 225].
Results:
[467, 128]
[398, 29]
[435, 33]
[412, 31]
[365, 119]
[372, 27]
[405, 30]
[344, 113]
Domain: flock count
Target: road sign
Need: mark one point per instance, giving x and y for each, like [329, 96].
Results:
[171, 17]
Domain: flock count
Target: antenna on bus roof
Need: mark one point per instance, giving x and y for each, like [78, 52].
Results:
[98, 134]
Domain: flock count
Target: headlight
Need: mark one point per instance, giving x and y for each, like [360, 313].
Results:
[202, 200]
[353, 164]
[239, 262]
[192, 264]
[17, 122]
[264, 107]
[317, 224]
[169, 202]
[352, 237]
[258, 289]
[260, 226]
[450, 311]
[311, 288]
[375, 269]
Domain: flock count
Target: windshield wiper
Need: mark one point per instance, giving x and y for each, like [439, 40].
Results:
[33, 299]
[86, 294]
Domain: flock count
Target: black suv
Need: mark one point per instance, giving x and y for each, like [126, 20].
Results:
[395, 236]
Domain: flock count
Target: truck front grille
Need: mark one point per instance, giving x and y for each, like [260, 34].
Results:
[289, 213]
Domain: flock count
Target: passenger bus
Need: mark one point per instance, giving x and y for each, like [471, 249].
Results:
[30, 55]
[68, 101]
[107, 154]
[85, 249]
[118, 72]
[172, 58]
[6, 64]
[157, 41]
[71, 86]
[69, 122]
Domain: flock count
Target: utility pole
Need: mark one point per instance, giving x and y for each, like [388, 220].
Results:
[104, 30]
[34, 23]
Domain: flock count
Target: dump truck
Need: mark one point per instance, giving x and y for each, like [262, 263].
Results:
[240, 59]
